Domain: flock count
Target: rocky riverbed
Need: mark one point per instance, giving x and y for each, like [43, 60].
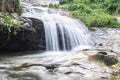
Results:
[97, 63]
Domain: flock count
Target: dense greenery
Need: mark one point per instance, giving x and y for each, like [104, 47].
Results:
[94, 13]
[9, 25]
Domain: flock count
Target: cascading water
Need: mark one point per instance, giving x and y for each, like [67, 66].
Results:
[61, 32]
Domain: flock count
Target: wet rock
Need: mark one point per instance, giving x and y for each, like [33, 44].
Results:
[43, 3]
[23, 76]
[100, 44]
[62, 66]
[116, 49]
[30, 37]
[15, 16]
[26, 65]
[108, 60]
[109, 37]
[103, 53]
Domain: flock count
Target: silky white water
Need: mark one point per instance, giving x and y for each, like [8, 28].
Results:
[61, 32]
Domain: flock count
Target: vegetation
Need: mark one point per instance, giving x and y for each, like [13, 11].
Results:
[116, 71]
[94, 13]
[10, 6]
[53, 5]
[9, 25]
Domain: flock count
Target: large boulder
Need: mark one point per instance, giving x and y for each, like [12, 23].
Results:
[30, 37]
[108, 59]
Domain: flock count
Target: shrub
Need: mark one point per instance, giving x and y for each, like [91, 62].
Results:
[65, 1]
[73, 7]
[8, 24]
[95, 13]
[96, 19]
[53, 5]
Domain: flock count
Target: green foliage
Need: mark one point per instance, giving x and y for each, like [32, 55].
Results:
[112, 6]
[65, 1]
[95, 13]
[53, 5]
[8, 24]
[18, 8]
[73, 7]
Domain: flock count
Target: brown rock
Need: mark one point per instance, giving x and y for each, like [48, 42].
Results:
[106, 59]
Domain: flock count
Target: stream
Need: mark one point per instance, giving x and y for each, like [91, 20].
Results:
[51, 66]
[77, 64]
[73, 65]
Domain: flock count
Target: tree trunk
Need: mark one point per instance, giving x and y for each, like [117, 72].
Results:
[1, 5]
[11, 6]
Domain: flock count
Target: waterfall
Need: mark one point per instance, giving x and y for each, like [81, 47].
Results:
[61, 32]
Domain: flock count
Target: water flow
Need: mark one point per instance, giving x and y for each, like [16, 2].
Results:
[61, 32]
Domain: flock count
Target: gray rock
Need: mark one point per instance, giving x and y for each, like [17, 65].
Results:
[30, 37]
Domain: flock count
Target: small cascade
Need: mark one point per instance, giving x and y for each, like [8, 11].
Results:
[61, 32]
